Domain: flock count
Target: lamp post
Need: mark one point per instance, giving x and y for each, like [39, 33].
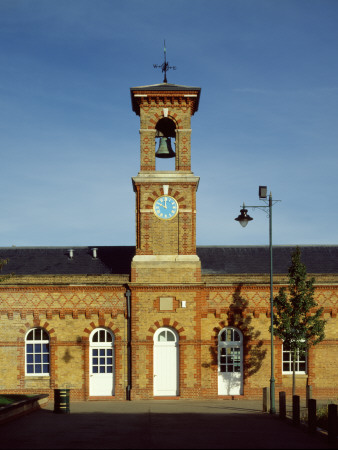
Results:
[244, 219]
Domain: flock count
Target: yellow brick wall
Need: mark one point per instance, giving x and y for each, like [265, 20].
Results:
[8, 371]
[75, 311]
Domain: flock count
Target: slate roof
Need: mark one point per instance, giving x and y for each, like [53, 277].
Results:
[165, 87]
[117, 260]
[256, 259]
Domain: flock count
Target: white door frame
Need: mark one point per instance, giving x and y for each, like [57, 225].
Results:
[230, 361]
[166, 362]
[101, 363]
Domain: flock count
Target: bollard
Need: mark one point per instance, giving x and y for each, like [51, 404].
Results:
[296, 409]
[282, 405]
[266, 399]
[332, 424]
[312, 415]
[61, 401]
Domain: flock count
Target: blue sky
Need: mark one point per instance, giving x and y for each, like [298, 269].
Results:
[69, 141]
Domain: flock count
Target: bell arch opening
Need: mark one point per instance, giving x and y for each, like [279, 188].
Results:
[165, 144]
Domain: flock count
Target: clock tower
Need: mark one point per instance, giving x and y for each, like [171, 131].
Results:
[165, 200]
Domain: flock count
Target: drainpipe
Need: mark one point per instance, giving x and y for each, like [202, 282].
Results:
[128, 389]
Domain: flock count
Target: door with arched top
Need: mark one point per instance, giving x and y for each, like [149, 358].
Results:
[101, 374]
[230, 362]
[166, 362]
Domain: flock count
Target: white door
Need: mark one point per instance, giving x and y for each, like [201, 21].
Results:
[230, 362]
[165, 362]
[101, 376]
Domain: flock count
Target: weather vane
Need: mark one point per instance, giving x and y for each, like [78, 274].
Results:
[165, 66]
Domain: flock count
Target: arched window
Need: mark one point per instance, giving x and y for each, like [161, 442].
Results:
[102, 351]
[165, 335]
[230, 350]
[37, 352]
[102, 363]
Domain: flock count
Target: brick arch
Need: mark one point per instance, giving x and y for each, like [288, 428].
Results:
[166, 322]
[160, 115]
[172, 192]
[102, 323]
[36, 323]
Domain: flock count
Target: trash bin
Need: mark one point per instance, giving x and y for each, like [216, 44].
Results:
[61, 401]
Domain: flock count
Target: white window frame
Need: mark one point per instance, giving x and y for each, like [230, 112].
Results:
[31, 357]
[105, 343]
[233, 340]
[287, 359]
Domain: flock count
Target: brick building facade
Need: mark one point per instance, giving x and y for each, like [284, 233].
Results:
[165, 318]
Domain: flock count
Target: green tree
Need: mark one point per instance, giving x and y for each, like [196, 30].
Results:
[297, 318]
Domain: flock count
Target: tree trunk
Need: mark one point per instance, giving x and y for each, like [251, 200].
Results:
[294, 372]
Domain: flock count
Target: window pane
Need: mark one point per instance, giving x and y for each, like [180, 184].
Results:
[37, 358]
[95, 352]
[30, 358]
[110, 361]
[30, 348]
[46, 368]
[30, 368]
[170, 336]
[109, 337]
[95, 369]
[102, 369]
[37, 368]
[237, 336]
[109, 352]
[45, 335]
[45, 348]
[95, 360]
[30, 335]
[102, 352]
[45, 358]
[162, 337]
[109, 369]
[38, 334]
[37, 348]
[95, 337]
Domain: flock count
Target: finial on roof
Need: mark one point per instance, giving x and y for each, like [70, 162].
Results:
[165, 66]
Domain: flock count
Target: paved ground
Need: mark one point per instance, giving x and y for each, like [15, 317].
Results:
[157, 424]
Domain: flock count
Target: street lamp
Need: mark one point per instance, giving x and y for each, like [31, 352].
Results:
[244, 219]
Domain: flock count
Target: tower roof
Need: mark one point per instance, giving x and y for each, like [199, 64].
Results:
[163, 89]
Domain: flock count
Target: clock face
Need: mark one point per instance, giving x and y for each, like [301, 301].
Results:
[165, 207]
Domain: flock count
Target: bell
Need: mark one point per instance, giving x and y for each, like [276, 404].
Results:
[164, 149]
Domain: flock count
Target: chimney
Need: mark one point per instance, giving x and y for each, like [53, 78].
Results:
[94, 250]
[71, 253]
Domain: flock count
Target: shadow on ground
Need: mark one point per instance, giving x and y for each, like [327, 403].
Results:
[223, 428]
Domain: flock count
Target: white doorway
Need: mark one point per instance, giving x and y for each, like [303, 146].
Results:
[230, 362]
[101, 374]
[166, 366]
